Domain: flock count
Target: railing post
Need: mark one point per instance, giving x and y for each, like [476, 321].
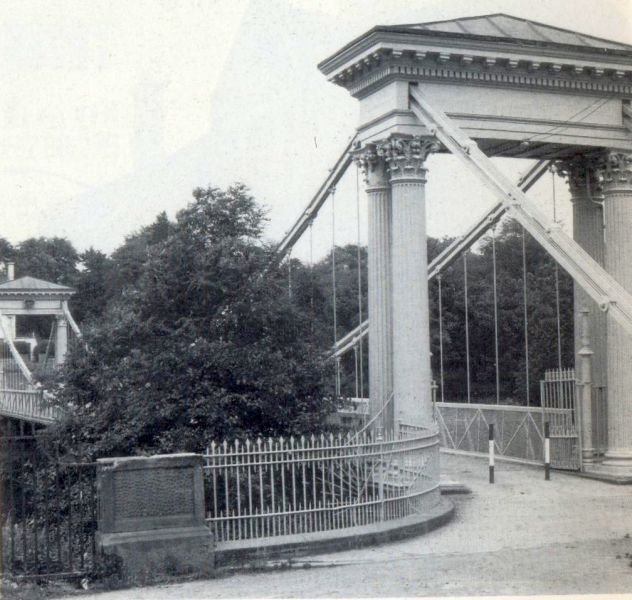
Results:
[380, 439]
[491, 453]
[547, 451]
[587, 454]
[434, 387]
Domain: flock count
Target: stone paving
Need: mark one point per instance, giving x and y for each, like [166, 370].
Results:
[522, 535]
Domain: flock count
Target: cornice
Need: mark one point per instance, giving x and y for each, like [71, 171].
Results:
[500, 72]
[42, 294]
[408, 39]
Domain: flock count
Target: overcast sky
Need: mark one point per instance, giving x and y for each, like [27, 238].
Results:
[114, 111]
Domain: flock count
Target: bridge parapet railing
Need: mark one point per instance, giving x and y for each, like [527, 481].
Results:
[518, 430]
[283, 487]
[31, 405]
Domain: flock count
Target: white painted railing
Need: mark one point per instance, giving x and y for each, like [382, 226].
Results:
[282, 487]
[28, 405]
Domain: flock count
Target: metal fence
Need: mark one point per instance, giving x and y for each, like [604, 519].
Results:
[280, 487]
[558, 397]
[519, 430]
[30, 405]
[48, 511]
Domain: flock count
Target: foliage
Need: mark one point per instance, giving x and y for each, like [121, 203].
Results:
[52, 259]
[312, 289]
[200, 347]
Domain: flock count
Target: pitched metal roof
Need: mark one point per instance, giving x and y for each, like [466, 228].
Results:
[33, 285]
[505, 26]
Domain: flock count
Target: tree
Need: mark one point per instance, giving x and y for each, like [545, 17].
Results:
[200, 347]
[91, 285]
[129, 259]
[52, 259]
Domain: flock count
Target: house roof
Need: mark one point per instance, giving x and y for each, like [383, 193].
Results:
[32, 285]
[504, 26]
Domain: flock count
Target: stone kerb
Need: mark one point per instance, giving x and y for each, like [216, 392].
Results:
[151, 516]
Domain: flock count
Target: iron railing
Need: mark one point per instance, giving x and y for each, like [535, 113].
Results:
[281, 487]
[30, 405]
[518, 430]
[558, 397]
[48, 512]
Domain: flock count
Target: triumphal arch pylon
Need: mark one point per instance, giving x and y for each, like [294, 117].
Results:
[481, 87]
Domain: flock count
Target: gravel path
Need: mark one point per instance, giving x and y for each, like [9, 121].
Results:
[521, 535]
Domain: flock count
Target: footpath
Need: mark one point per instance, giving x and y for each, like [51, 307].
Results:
[522, 535]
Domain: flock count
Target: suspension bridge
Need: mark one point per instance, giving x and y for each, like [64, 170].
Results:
[26, 358]
[476, 88]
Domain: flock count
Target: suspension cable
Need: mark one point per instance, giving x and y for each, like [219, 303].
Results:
[441, 337]
[467, 327]
[289, 274]
[355, 362]
[557, 285]
[311, 275]
[332, 192]
[496, 355]
[525, 314]
[359, 259]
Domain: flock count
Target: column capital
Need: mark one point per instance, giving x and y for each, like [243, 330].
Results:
[615, 172]
[373, 166]
[406, 157]
[581, 174]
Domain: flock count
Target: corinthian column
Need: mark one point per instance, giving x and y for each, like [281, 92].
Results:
[379, 283]
[616, 182]
[588, 232]
[411, 323]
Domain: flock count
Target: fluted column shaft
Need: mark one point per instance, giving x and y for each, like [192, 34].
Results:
[379, 284]
[412, 375]
[61, 340]
[588, 232]
[616, 181]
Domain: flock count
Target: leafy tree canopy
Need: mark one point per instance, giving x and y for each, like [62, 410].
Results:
[200, 346]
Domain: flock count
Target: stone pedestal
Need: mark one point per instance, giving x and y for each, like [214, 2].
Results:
[379, 283]
[616, 181]
[412, 376]
[151, 516]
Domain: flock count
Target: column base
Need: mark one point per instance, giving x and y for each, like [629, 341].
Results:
[615, 466]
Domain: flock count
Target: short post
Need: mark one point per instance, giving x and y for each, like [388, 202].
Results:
[547, 452]
[434, 387]
[491, 453]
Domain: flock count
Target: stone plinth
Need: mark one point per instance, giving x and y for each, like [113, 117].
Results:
[151, 516]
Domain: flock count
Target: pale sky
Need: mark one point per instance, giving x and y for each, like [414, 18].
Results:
[112, 111]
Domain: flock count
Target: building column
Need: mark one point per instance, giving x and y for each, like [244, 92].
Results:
[379, 283]
[61, 340]
[616, 182]
[412, 376]
[588, 232]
